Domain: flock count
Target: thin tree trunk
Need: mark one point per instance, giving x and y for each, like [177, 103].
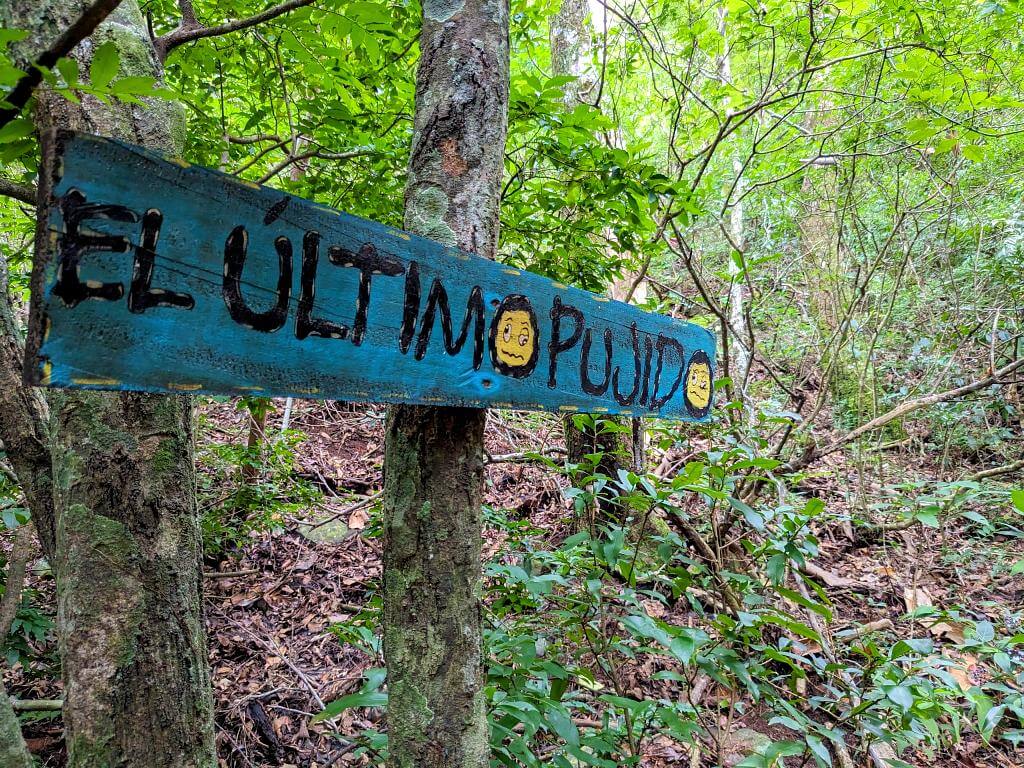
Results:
[618, 440]
[24, 424]
[13, 751]
[126, 541]
[740, 354]
[433, 464]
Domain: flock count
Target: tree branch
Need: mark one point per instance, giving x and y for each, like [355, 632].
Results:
[190, 29]
[20, 192]
[320, 154]
[62, 46]
[253, 139]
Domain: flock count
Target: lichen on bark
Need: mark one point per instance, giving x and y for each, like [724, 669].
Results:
[433, 465]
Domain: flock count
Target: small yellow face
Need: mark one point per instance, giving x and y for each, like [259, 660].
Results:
[515, 340]
[698, 385]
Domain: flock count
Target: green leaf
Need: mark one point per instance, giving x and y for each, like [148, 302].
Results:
[985, 631]
[821, 754]
[361, 699]
[133, 86]
[563, 725]
[18, 128]
[799, 599]
[900, 695]
[783, 749]
[1018, 500]
[776, 568]
[68, 69]
[11, 36]
[973, 152]
[105, 63]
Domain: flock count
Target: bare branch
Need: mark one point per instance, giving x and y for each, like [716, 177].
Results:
[62, 46]
[190, 29]
[253, 139]
[314, 153]
[1005, 469]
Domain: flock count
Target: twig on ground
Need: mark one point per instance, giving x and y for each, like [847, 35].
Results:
[37, 705]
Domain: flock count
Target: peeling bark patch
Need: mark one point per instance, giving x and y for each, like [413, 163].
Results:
[441, 10]
[425, 212]
[451, 162]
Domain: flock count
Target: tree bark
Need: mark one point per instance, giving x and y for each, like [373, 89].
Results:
[433, 465]
[24, 424]
[740, 356]
[13, 751]
[126, 543]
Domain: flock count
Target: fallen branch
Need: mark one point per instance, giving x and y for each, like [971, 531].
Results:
[903, 409]
[348, 510]
[230, 574]
[524, 457]
[1005, 469]
[882, 625]
[37, 705]
[61, 47]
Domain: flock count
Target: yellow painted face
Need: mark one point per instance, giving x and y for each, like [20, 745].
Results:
[698, 385]
[515, 340]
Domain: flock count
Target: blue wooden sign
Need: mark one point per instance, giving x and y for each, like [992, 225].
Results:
[165, 277]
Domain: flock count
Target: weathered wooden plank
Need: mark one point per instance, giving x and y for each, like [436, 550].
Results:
[166, 277]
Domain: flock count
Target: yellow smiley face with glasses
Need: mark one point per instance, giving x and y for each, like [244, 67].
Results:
[698, 384]
[513, 339]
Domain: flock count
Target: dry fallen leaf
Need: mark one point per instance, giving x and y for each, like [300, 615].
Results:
[830, 579]
[358, 520]
[916, 597]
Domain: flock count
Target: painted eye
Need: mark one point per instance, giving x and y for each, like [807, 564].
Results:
[524, 339]
[507, 333]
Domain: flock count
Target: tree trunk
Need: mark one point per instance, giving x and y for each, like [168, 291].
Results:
[24, 424]
[13, 751]
[740, 355]
[126, 539]
[433, 464]
[618, 440]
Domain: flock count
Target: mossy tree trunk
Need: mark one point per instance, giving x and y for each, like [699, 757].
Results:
[125, 540]
[13, 751]
[433, 465]
[606, 444]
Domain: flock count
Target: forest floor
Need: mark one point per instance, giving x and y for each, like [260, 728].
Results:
[272, 601]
